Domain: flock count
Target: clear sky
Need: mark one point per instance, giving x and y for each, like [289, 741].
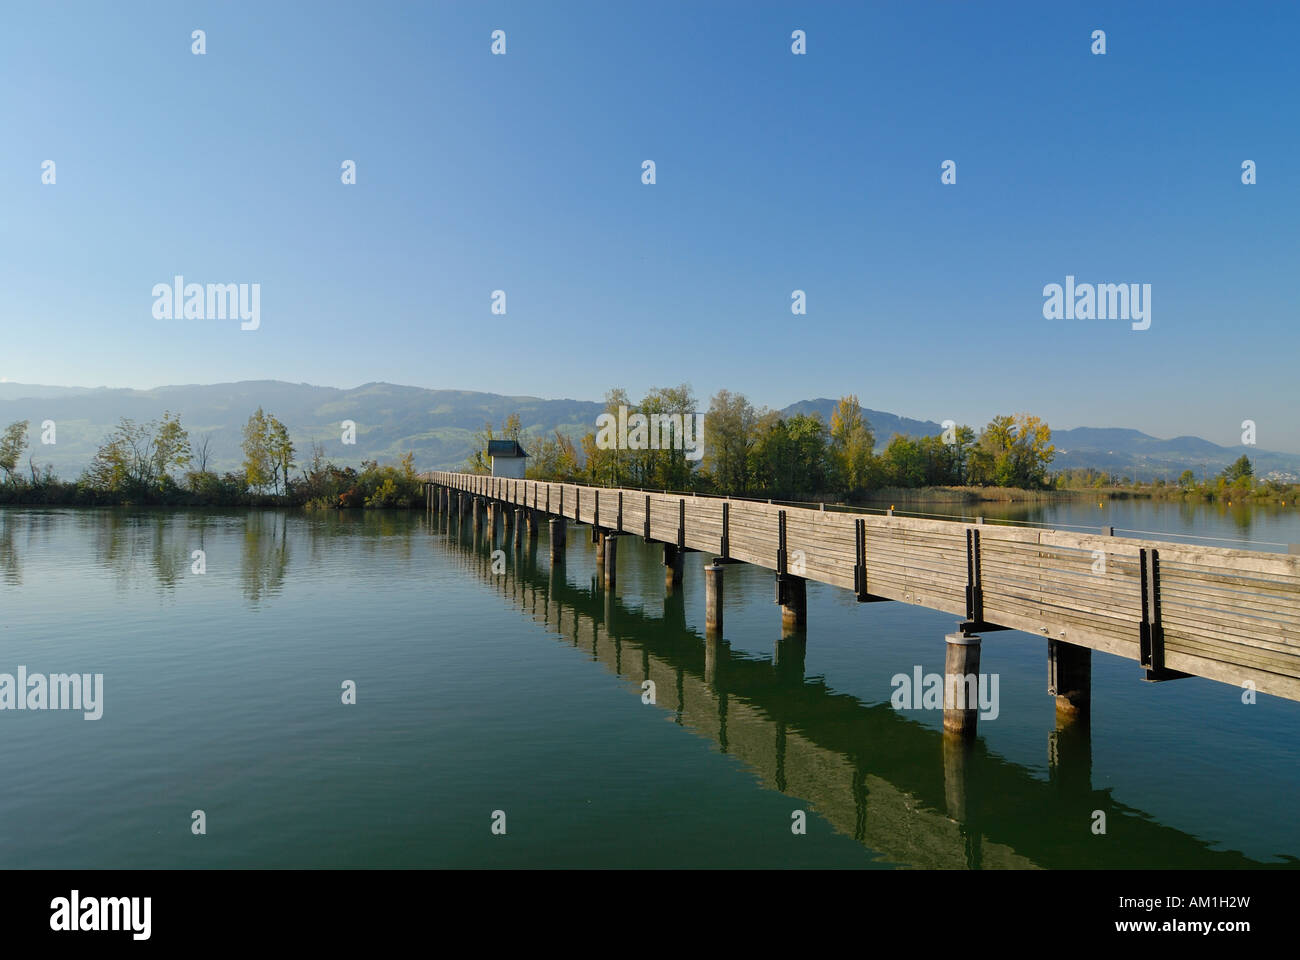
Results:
[775, 172]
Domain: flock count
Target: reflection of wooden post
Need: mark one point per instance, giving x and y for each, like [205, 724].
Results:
[711, 651]
[674, 561]
[956, 754]
[611, 558]
[961, 684]
[789, 657]
[1069, 679]
[1069, 755]
[713, 598]
[557, 539]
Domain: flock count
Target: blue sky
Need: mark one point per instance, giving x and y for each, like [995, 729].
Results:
[775, 172]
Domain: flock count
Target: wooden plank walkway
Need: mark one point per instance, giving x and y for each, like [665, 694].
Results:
[1228, 615]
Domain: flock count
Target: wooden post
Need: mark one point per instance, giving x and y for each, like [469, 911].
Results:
[674, 561]
[794, 603]
[713, 598]
[598, 537]
[610, 545]
[557, 539]
[961, 684]
[1069, 679]
[519, 527]
[532, 521]
[478, 516]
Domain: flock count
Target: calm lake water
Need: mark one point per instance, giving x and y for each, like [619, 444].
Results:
[521, 691]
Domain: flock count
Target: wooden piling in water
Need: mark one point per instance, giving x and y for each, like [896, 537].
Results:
[961, 684]
[557, 539]
[1069, 678]
[794, 602]
[611, 560]
[674, 562]
[713, 598]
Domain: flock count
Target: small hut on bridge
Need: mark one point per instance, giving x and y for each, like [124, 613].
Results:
[508, 458]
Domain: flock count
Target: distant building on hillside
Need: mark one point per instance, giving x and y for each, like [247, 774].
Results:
[508, 458]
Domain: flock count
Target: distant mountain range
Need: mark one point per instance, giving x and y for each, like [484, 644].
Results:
[1115, 450]
[439, 425]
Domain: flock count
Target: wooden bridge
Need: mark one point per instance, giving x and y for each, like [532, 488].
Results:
[1177, 610]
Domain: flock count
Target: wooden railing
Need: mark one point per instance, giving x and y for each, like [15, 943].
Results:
[1229, 615]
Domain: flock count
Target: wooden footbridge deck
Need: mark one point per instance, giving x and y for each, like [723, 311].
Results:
[1178, 610]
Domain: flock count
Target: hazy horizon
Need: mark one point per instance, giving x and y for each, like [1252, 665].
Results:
[867, 403]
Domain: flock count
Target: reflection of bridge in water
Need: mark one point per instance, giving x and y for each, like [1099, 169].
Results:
[916, 797]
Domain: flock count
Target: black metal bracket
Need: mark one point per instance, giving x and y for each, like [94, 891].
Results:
[968, 627]
[780, 543]
[681, 524]
[782, 580]
[646, 535]
[1151, 632]
[726, 539]
[860, 565]
[974, 582]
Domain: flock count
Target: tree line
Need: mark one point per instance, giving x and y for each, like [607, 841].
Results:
[1235, 482]
[155, 462]
[749, 451]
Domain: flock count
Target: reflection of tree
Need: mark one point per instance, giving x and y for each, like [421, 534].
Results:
[125, 541]
[10, 566]
[1240, 514]
[164, 558]
[264, 561]
[373, 532]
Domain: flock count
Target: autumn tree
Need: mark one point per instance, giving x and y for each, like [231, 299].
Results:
[1013, 451]
[729, 435]
[12, 444]
[258, 463]
[851, 445]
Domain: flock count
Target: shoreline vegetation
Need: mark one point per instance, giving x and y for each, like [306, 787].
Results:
[747, 452]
